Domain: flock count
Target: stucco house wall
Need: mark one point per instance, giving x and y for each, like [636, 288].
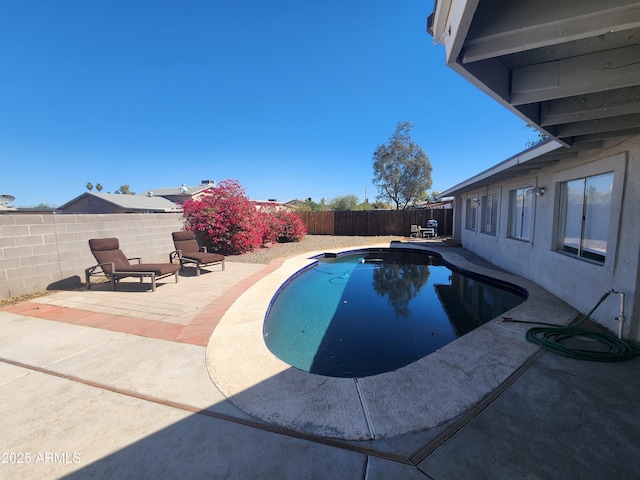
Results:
[580, 283]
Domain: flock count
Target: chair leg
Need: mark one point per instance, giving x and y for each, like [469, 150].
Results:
[177, 277]
[197, 269]
[153, 281]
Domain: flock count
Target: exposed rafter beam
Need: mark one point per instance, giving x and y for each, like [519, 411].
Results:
[554, 157]
[576, 76]
[571, 68]
[604, 135]
[525, 34]
[590, 107]
[598, 126]
[586, 145]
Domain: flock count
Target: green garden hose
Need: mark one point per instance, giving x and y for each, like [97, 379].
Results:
[551, 336]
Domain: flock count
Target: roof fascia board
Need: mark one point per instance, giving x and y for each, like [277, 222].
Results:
[518, 159]
[440, 15]
[452, 19]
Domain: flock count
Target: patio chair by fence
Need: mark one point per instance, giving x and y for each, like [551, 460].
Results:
[113, 264]
[189, 252]
[423, 232]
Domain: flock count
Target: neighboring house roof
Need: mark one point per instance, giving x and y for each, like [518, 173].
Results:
[569, 68]
[270, 204]
[295, 203]
[185, 190]
[131, 202]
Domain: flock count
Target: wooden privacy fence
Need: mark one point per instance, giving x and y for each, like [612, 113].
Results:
[376, 222]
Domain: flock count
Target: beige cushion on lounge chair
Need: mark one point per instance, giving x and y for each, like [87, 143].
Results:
[188, 251]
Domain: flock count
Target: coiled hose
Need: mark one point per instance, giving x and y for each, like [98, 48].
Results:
[551, 336]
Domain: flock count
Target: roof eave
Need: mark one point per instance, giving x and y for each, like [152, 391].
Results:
[525, 156]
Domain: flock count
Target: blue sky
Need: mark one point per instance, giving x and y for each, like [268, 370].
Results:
[290, 98]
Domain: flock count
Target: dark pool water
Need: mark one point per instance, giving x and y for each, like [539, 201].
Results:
[376, 310]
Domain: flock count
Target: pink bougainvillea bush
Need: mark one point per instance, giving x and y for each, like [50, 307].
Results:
[292, 228]
[225, 220]
[272, 226]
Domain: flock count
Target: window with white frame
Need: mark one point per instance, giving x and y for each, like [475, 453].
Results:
[521, 213]
[585, 210]
[489, 214]
[471, 211]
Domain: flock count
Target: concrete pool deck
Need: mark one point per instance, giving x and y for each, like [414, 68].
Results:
[422, 395]
[117, 385]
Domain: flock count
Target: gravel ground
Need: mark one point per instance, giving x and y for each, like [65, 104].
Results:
[309, 243]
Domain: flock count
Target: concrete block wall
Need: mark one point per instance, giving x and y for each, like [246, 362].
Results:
[50, 251]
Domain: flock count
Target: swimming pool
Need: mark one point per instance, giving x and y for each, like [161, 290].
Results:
[372, 311]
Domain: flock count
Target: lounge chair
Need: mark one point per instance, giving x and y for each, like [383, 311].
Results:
[188, 251]
[113, 264]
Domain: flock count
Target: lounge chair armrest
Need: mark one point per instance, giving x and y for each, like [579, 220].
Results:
[203, 249]
[139, 259]
[175, 254]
